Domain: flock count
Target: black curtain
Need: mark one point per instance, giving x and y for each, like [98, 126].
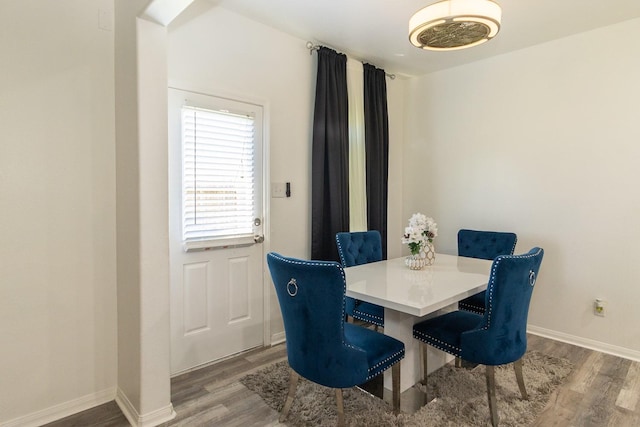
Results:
[376, 133]
[330, 156]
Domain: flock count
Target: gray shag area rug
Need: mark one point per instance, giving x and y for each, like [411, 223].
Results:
[460, 396]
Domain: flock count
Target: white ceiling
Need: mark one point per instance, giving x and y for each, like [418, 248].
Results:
[375, 31]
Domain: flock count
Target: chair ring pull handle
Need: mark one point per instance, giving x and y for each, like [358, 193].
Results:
[292, 287]
[532, 277]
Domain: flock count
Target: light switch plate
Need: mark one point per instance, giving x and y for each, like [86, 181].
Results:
[278, 189]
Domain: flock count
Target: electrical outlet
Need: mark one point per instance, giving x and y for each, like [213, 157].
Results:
[599, 307]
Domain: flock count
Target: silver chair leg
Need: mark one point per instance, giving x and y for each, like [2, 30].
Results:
[340, 405]
[423, 353]
[491, 394]
[517, 366]
[293, 384]
[395, 388]
[458, 362]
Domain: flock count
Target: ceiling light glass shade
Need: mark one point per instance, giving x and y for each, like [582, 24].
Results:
[455, 24]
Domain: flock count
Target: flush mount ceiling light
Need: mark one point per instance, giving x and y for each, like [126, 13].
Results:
[455, 24]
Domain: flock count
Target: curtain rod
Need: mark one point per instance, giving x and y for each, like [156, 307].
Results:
[313, 47]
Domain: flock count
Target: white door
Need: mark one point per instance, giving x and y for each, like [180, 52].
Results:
[216, 216]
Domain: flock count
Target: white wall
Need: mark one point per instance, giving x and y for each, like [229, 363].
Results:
[221, 53]
[57, 192]
[542, 142]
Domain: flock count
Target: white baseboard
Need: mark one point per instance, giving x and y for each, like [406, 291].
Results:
[62, 410]
[278, 338]
[151, 419]
[623, 352]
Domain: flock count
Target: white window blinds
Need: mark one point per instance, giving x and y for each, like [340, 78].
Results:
[218, 174]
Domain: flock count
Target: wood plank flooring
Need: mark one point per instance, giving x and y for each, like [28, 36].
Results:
[602, 391]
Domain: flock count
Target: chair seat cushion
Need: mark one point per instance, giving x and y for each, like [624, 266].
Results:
[367, 312]
[474, 303]
[443, 332]
[382, 350]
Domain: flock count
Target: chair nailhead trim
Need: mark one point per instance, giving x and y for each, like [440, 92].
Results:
[471, 308]
[493, 279]
[440, 344]
[373, 368]
[340, 251]
[489, 309]
[368, 318]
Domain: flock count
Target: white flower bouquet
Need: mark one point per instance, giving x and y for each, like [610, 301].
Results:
[420, 232]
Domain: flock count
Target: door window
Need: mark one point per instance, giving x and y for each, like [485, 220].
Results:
[220, 185]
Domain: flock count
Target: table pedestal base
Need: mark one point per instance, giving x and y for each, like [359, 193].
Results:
[400, 326]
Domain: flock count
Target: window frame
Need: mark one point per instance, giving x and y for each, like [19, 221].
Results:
[212, 103]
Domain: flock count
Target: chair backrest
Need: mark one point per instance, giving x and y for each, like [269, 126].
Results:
[359, 247]
[485, 244]
[501, 337]
[311, 297]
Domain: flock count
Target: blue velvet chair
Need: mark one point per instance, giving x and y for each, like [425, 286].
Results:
[483, 245]
[500, 335]
[321, 346]
[355, 248]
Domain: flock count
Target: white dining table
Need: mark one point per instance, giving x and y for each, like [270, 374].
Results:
[409, 296]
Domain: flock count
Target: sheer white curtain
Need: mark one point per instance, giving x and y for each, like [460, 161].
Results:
[357, 164]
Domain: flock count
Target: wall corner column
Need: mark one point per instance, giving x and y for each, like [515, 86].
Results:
[144, 387]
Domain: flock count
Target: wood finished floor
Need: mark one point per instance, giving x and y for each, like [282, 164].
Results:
[602, 391]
